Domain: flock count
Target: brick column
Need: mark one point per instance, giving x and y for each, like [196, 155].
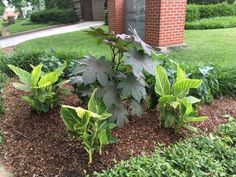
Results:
[116, 16]
[165, 22]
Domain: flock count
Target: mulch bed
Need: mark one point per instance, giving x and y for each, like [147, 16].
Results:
[36, 145]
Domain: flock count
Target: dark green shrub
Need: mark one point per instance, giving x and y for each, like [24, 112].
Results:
[54, 15]
[212, 23]
[2, 9]
[193, 13]
[230, 1]
[205, 1]
[219, 10]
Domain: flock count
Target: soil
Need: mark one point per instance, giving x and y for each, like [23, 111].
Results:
[38, 145]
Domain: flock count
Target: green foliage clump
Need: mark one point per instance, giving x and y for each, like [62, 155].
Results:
[205, 1]
[176, 108]
[198, 156]
[60, 4]
[212, 23]
[43, 87]
[196, 12]
[54, 16]
[2, 10]
[91, 126]
[120, 78]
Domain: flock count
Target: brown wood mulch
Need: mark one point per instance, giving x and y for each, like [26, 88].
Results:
[36, 145]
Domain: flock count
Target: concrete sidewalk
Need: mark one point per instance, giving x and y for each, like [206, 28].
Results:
[15, 40]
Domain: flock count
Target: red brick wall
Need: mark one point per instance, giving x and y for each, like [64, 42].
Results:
[165, 20]
[116, 18]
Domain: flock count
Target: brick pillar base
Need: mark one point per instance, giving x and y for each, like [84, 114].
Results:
[116, 15]
[165, 22]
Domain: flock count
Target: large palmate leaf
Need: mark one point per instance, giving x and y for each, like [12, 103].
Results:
[136, 108]
[147, 48]
[93, 69]
[162, 86]
[139, 61]
[110, 94]
[119, 115]
[134, 87]
[23, 75]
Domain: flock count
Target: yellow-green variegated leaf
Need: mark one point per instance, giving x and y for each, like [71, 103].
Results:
[36, 73]
[166, 100]
[181, 88]
[195, 119]
[23, 75]
[47, 79]
[69, 116]
[60, 70]
[192, 100]
[162, 86]
[181, 75]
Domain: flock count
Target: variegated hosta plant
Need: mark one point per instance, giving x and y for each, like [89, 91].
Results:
[90, 126]
[120, 77]
[43, 87]
[176, 107]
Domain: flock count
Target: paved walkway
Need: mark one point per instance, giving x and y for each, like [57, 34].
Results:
[15, 40]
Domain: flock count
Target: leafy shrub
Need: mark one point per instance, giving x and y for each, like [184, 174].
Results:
[193, 13]
[205, 1]
[196, 12]
[176, 109]
[212, 23]
[3, 81]
[91, 126]
[119, 79]
[219, 10]
[43, 87]
[54, 15]
[2, 10]
[230, 1]
[198, 156]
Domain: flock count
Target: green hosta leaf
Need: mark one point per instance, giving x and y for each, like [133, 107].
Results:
[162, 86]
[119, 115]
[47, 79]
[93, 69]
[134, 87]
[136, 108]
[110, 95]
[188, 107]
[23, 75]
[181, 75]
[195, 119]
[36, 73]
[23, 87]
[139, 62]
[181, 88]
[96, 105]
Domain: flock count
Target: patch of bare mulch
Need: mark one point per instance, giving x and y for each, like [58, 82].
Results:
[36, 145]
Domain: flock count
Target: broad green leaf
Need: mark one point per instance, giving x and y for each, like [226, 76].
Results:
[36, 73]
[192, 99]
[96, 105]
[23, 75]
[59, 71]
[102, 135]
[182, 87]
[23, 87]
[47, 80]
[162, 86]
[191, 128]
[181, 75]
[69, 116]
[195, 119]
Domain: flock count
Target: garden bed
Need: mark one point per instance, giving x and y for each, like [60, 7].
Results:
[39, 146]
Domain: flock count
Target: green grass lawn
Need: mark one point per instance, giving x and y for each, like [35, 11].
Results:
[205, 46]
[24, 25]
